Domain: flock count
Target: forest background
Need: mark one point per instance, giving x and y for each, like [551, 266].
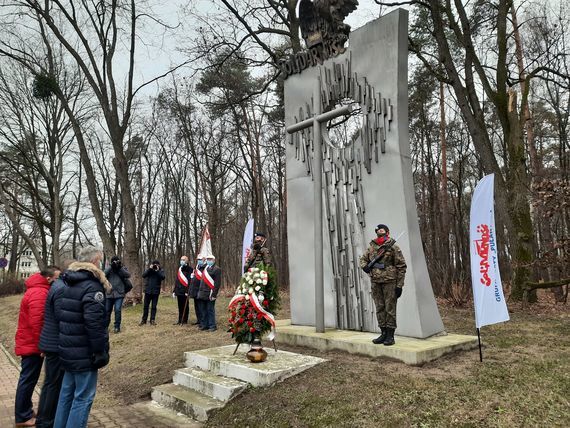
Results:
[131, 126]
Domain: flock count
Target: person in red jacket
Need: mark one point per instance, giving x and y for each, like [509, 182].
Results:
[30, 324]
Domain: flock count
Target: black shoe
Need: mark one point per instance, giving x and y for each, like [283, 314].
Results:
[212, 329]
[152, 323]
[380, 339]
[389, 341]
[177, 323]
[142, 323]
[117, 330]
[183, 323]
[196, 323]
[202, 328]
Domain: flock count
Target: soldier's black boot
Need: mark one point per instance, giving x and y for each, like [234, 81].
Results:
[389, 341]
[380, 339]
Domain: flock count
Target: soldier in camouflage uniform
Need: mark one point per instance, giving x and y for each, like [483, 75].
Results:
[258, 253]
[387, 276]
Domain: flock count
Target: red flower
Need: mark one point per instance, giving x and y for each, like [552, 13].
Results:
[249, 323]
[266, 302]
[252, 330]
[241, 320]
[242, 311]
[250, 315]
[234, 313]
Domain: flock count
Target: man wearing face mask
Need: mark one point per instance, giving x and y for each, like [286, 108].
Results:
[259, 253]
[208, 292]
[181, 289]
[195, 287]
[386, 266]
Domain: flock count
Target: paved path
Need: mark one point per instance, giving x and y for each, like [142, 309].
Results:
[138, 415]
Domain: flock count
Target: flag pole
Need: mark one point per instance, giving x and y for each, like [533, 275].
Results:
[187, 302]
[480, 350]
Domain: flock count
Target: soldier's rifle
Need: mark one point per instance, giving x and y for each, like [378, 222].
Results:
[368, 268]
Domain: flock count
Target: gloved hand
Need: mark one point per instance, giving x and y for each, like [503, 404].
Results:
[398, 292]
[100, 359]
[366, 269]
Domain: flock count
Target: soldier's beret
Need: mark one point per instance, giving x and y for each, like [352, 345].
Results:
[382, 226]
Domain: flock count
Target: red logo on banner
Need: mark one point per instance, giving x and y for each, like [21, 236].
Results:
[483, 252]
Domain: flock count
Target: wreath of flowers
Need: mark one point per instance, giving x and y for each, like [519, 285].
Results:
[254, 304]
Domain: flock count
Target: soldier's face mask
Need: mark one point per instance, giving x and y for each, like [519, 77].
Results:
[381, 232]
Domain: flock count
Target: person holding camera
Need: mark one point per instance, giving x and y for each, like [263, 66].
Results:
[181, 290]
[386, 266]
[118, 276]
[259, 253]
[153, 277]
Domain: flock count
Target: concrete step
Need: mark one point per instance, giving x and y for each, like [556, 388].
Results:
[218, 387]
[186, 401]
[221, 361]
[157, 415]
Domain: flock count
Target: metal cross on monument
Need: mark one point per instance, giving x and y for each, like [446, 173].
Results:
[316, 122]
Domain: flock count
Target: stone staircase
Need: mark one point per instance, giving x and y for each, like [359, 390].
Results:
[213, 377]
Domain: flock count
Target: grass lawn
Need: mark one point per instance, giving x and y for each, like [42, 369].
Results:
[523, 381]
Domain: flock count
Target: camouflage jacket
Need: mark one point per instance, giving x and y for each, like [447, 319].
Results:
[394, 264]
[255, 258]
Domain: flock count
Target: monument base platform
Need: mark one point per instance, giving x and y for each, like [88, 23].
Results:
[408, 350]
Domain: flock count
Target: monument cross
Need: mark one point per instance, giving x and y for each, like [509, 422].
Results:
[316, 121]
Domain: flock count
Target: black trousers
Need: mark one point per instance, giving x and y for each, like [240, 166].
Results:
[50, 391]
[148, 299]
[183, 309]
[29, 375]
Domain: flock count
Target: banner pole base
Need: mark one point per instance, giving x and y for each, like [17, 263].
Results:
[480, 350]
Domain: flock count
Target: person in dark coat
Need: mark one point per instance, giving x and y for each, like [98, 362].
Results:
[195, 287]
[181, 290]
[53, 372]
[153, 277]
[208, 292]
[83, 336]
[30, 322]
[118, 276]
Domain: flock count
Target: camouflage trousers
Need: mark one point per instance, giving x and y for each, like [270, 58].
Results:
[384, 296]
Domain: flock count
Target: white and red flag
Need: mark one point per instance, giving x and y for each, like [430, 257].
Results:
[488, 297]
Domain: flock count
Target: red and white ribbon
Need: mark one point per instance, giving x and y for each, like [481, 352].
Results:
[235, 300]
[267, 315]
[182, 278]
[197, 273]
[208, 279]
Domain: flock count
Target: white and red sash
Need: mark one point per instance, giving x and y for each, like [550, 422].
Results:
[197, 273]
[182, 278]
[267, 315]
[208, 279]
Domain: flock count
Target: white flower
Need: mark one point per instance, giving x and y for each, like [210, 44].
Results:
[250, 290]
[250, 281]
[259, 281]
[257, 288]
[256, 276]
[261, 297]
[264, 282]
[247, 297]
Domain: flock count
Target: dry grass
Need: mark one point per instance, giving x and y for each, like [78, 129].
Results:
[523, 381]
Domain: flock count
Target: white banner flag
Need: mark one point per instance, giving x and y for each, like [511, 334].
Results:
[490, 305]
[247, 241]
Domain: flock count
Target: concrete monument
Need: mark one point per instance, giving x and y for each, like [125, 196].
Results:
[366, 179]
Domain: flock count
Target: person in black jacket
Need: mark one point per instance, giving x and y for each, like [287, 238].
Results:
[118, 277]
[153, 277]
[208, 292]
[49, 345]
[181, 290]
[83, 338]
[195, 286]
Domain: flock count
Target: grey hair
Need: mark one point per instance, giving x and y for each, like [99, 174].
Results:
[88, 253]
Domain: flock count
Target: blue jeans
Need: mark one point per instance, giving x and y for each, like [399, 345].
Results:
[117, 303]
[207, 309]
[75, 399]
[31, 368]
[50, 391]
